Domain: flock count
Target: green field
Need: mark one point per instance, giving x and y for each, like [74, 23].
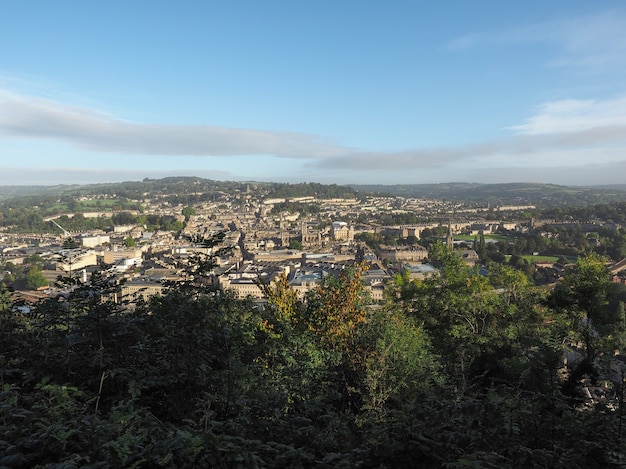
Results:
[495, 237]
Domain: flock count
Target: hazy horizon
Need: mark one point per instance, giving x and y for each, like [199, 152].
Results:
[45, 184]
[346, 93]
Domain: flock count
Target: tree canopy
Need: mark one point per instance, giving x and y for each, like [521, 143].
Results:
[456, 370]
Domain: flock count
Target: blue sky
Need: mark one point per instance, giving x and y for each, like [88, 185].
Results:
[326, 91]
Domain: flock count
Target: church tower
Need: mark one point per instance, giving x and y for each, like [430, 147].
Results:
[450, 237]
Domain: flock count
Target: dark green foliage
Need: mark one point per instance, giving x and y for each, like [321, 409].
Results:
[456, 371]
[615, 212]
[295, 244]
[188, 212]
[35, 279]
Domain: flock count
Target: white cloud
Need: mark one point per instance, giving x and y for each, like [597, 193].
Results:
[569, 133]
[34, 118]
[561, 149]
[572, 115]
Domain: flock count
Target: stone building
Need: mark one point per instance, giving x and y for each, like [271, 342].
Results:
[341, 231]
[310, 237]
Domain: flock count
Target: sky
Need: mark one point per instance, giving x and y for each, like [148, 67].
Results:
[330, 91]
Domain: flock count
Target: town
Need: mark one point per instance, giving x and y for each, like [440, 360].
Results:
[305, 237]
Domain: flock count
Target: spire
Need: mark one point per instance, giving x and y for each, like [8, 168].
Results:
[450, 237]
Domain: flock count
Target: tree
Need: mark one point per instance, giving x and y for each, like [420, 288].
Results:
[401, 366]
[34, 259]
[70, 243]
[35, 279]
[295, 244]
[129, 242]
[471, 325]
[294, 369]
[283, 299]
[412, 239]
[123, 218]
[336, 308]
[175, 225]
[188, 212]
[5, 298]
[583, 294]
[481, 247]
[336, 314]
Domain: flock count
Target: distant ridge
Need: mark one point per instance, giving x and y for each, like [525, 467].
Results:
[612, 187]
[19, 191]
[540, 195]
[537, 194]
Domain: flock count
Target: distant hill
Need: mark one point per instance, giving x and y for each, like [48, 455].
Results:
[612, 187]
[182, 189]
[129, 189]
[195, 189]
[541, 195]
[20, 191]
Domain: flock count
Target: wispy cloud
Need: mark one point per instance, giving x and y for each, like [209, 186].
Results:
[573, 115]
[35, 118]
[562, 133]
[517, 151]
[591, 42]
[465, 42]
[566, 132]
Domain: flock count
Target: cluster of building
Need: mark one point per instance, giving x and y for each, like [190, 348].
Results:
[259, 243]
